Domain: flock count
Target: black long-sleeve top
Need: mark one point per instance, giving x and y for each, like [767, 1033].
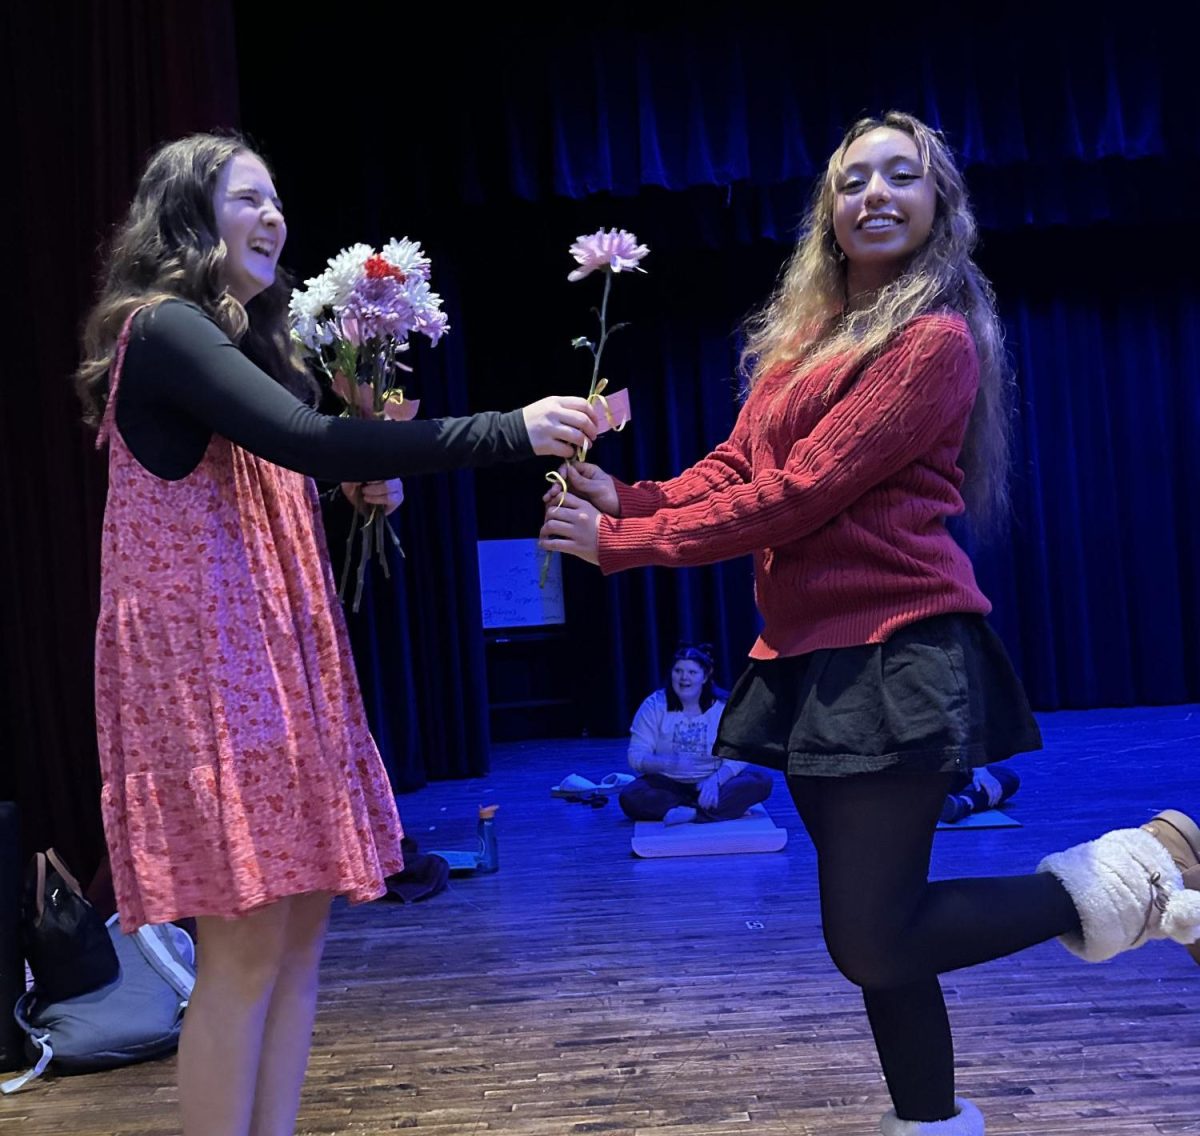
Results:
[184, 380]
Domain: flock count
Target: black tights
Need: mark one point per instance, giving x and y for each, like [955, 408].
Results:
[892, 932]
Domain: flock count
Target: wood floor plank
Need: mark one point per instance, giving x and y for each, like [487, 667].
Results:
[582, 990]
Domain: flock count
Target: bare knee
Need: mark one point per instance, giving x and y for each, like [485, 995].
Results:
[242, 955]
[308, 921]
[248, 955]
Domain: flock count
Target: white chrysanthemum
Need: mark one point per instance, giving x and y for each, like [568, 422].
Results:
[312, 299]
[344, 272]
[323, 291]
[407, 256]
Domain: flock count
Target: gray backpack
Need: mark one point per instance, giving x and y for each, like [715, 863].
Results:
[135, 1017]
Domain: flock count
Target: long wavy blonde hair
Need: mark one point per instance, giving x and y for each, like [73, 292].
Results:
[807, 320]
[167, 247]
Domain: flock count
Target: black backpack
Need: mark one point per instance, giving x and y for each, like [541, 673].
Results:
[65, 941]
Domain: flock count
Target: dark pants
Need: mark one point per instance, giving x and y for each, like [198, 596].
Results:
[652, 794]
[892, 932]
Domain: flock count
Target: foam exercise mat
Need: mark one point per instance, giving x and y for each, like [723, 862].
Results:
[754, 832]
[989, 818]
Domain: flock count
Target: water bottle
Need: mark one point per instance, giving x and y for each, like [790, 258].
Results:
[488, 857]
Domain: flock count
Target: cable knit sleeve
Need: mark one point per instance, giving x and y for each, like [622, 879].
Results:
[914, 395]
[729, 464]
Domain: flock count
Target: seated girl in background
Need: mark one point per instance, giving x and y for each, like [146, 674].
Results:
[671, 746]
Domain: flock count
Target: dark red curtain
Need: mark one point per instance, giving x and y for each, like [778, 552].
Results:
[91, 88]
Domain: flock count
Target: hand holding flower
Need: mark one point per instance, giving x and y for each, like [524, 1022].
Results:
[354, 321]
[368, 495]
[560, 426]
[589, 481]
[609, 252]
[572, 526]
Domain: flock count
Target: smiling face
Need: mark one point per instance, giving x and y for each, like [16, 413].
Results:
[250, 221]
[687, 680]
[884, 201]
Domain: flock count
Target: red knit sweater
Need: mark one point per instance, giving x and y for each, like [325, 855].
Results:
[842, 501]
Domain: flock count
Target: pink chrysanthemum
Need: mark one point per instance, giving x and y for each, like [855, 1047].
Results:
[613, 250]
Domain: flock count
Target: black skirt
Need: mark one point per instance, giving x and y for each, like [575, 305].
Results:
[939, 696]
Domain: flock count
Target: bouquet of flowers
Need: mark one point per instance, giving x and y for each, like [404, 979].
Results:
[354, 321]
[609, 252]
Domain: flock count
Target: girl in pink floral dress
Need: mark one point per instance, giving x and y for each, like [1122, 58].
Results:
[241, 784]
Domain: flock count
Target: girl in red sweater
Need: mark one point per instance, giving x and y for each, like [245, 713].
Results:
[878, 404]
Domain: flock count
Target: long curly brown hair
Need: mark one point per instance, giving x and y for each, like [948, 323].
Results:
[167, 248]
[807, 320]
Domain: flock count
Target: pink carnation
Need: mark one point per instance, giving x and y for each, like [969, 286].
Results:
[614, 250]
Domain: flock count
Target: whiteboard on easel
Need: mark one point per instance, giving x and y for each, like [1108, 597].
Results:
[508, 585]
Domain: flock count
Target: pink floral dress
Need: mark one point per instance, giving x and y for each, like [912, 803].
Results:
[237, 764]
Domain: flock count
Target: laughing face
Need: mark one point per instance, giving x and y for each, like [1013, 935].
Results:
[250, 221]
[884, 205]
